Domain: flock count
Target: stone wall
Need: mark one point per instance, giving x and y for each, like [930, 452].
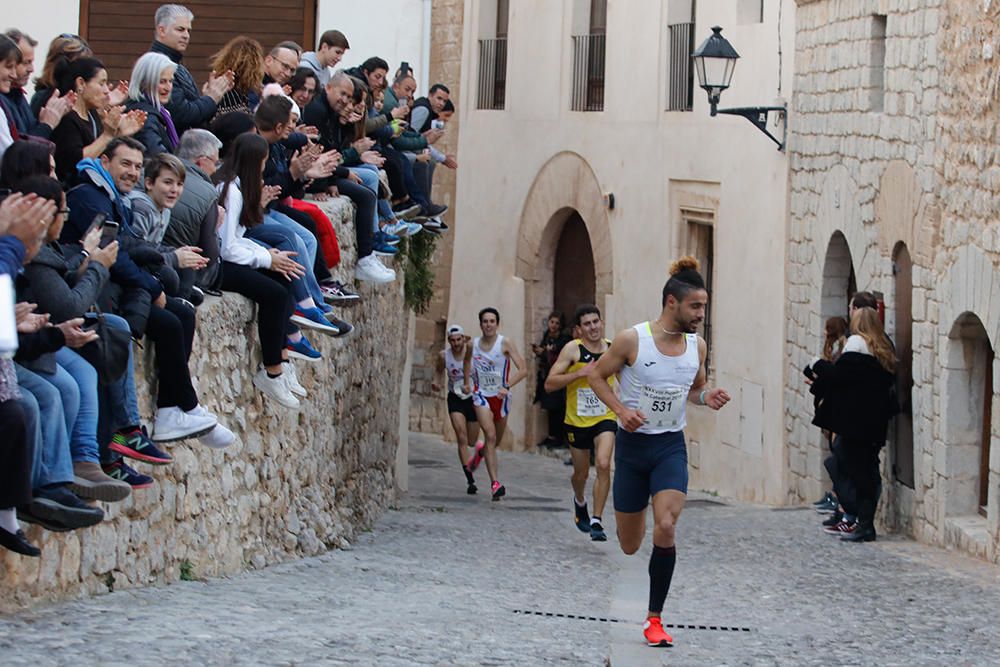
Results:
[427, 408]
[917, 167]
[294, 484]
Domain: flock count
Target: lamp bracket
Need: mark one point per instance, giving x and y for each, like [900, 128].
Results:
[759, 117]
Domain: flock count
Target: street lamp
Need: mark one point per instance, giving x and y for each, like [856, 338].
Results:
[715, 62]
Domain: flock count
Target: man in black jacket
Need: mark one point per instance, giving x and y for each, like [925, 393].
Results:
[187, 107]
[17, 100]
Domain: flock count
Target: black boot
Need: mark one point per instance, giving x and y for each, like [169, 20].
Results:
[865, 532]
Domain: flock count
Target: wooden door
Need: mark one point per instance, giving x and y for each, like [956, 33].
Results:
[902, 442]
[119, 31]
[984, 458]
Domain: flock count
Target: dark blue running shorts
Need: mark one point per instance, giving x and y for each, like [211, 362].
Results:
[646, 464]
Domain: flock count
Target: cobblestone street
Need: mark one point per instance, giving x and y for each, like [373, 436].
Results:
[450, 579]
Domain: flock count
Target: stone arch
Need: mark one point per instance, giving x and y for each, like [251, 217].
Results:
[968, 398]
[902, 215]
[839, 282]
[971, 284]
[564, 186]
[839, 210]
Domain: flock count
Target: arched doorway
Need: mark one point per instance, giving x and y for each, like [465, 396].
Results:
[968, 429]
[839, 283]
[902, 440]
[574, 280]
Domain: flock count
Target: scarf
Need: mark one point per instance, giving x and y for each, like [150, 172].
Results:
[171, 130]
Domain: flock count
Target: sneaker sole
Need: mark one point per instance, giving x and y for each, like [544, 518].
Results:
[599, 538]
[298, 355]
[174, 437]
[132, 454]
[111, 493]
[662, 643]
[306, 323]
[341, 300]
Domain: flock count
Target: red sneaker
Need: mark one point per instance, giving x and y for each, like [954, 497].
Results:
[842, 528]
[477, 456]
[655, 635]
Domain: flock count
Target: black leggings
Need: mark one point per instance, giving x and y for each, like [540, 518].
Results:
[365, 200]
[172, 331]
[275, 304]
[15, 456]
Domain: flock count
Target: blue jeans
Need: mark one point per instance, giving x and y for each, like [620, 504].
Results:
[281, 232]
[83, 435]
[119, 403]
[369, 178]
[53, 463]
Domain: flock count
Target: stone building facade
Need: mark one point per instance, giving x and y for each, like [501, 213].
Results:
[294, 484]
[894, 180]
[593, 162]
[427, 407]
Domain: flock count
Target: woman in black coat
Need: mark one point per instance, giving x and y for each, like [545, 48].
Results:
[855, 399]
[149, 90]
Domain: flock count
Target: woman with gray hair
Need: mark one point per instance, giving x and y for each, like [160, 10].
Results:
[149, 90]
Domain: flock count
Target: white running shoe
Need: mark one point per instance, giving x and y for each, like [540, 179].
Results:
[372, 270]
[219, 437]
[291, 376]
[175, 424]
[276, 389]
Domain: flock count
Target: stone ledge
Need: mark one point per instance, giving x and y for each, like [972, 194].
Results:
[294, 484]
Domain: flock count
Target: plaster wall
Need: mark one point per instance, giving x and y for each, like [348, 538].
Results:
[651, 160]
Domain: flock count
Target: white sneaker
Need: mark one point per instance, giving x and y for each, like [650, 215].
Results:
[219, 437]
[372, 270]
[275, 388]
[292, 380]
[175, 424]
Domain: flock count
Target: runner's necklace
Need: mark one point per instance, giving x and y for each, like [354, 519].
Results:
[669, 333]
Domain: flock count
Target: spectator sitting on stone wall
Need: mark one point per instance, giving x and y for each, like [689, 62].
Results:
[289, 175]
[149, 90]
[94, 122]
[244, 57]
[186, 105]
[259, 273]
[171, 322]
[65, 48]
[280, 64]
[304, 85]
[196, 217]
[151, 211]
[330, 50]
[324, 114]
[17, 105]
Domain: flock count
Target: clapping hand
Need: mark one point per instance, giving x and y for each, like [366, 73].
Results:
[75, 335]
[282, 262]
[268, 194]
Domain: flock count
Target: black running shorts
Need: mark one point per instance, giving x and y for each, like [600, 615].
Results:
[583, 438]
[462, 406]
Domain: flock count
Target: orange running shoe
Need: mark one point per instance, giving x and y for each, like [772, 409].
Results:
[655, 634]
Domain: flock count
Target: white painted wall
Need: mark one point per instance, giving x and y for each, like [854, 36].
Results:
[395, 30]
[637, 151]
[42, 20]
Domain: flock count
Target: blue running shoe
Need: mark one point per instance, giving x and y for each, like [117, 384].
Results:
[121, 471]
[135, 443]
[314, 318]
[303, 350]
[384, 249]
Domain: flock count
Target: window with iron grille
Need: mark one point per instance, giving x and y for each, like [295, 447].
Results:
[588, 61]
[680, 81]
[492, 90]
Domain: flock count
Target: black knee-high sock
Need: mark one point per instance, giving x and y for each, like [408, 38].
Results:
[661, 571]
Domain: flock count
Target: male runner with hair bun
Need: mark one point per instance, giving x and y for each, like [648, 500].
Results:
[660, 366]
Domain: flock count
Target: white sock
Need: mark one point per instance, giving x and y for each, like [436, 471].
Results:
[595, 519]
[579, 503]
[8, 520]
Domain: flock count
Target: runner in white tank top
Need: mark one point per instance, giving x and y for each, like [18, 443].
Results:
[461, 413]
[487, 364]
[661, 366]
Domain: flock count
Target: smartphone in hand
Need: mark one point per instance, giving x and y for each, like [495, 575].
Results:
[109, 232]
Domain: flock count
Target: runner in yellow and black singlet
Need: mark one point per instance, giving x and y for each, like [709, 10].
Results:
[590, 424]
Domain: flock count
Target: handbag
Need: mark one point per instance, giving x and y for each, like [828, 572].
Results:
[110, 352]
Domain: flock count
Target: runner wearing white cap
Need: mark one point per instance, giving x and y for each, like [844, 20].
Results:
[460, 408]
